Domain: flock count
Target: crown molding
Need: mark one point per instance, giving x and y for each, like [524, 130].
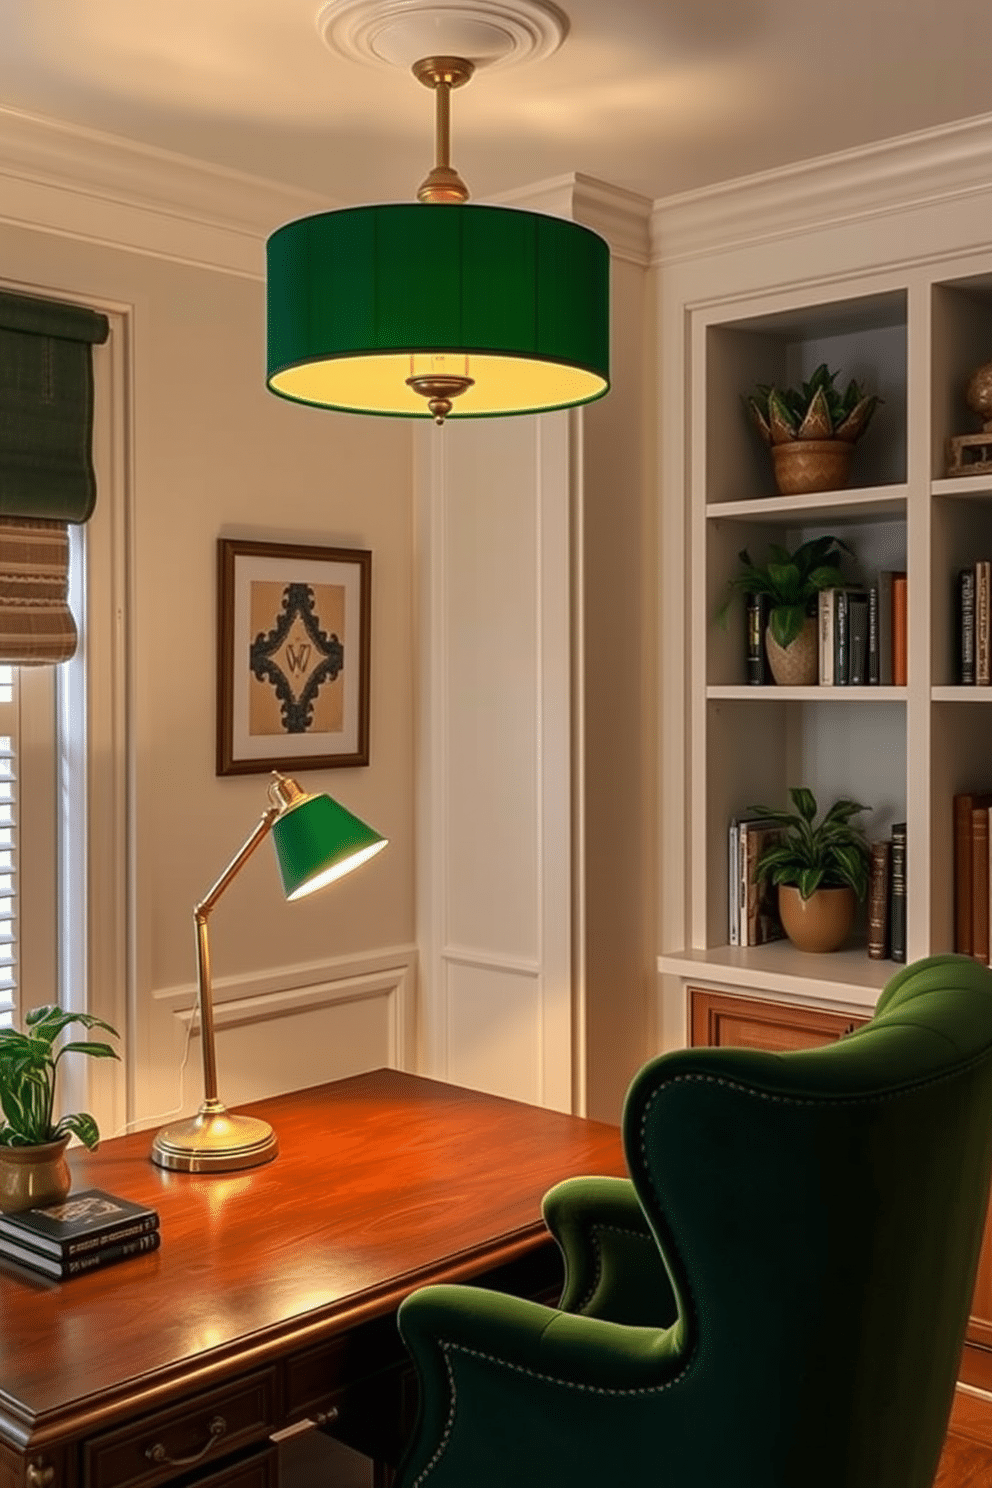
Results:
[622, 217]
[912, 170]
[102, 188]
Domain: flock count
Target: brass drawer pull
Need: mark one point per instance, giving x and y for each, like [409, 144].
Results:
[40, 1476]
[158, 1453]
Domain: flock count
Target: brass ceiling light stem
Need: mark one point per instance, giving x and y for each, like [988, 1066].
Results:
[442, 184]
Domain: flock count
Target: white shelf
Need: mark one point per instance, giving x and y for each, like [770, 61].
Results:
[770, 693]
[883, 503]
[963, 485]
[845, 977]
[970, 694]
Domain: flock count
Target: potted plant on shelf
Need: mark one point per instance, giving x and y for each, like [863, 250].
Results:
[811, 430]
[33, 1168]
[791, 582]
[820, 869]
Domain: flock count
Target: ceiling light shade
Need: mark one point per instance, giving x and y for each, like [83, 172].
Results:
[358, 298]
[319, 841]
[438, 308]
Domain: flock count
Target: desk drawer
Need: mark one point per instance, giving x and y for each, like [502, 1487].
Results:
[181, 1438]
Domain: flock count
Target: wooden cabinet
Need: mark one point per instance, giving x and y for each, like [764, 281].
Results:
[718, 1020]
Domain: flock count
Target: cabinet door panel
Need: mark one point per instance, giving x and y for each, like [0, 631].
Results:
[717, 1021]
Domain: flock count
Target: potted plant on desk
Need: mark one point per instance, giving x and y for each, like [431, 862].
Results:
[33, 1168]
[821, 869]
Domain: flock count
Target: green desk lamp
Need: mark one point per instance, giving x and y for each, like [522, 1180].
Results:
[316, 841]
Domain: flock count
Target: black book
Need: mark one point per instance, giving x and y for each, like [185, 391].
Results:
[842, 640]
[857, 673]
[897, 893]
[83, 1223]
[966, 627]
[874, 639]
[755, 619]
[62, 1267]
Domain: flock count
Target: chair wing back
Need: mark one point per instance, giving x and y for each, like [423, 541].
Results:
[821, 1214]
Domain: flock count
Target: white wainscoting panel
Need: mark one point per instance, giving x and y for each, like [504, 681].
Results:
[285, 1030]
[494, 756]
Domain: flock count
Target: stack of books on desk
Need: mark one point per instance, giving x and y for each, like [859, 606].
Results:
[87, 1231]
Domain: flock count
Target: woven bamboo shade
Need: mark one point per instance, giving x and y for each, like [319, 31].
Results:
[47, 477]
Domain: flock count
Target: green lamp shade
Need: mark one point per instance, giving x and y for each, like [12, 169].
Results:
[319, 841]
[362, 299]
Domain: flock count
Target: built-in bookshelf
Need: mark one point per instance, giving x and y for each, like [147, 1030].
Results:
[906, 750]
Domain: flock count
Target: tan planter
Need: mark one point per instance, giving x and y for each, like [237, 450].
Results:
[796, 665]
[820, 923]
[31, 1177]
[803, 465]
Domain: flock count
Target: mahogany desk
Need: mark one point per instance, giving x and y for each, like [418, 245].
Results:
[272, 1299]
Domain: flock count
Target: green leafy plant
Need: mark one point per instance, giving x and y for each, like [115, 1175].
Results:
[814, 410]
[791, 581]
[28, 1066]
[831, 854]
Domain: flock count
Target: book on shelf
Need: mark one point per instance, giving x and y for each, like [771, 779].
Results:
[62, 1267]
[842, 642]
[980, 883]
[983, 598]
[752, 907]
[825, 607]
[874, 660]
[758, 913]
[965, 804]
[885, 627]
[897, 892]
[900, 630]
[756, 607]
[82, 1224]
[857, 609]
[966, 627]
[878, 901]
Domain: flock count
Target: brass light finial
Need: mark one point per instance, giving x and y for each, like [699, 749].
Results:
[443, 183]
[439, 392]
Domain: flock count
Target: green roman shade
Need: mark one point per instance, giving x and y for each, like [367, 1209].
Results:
[46, 408]
[46, 469]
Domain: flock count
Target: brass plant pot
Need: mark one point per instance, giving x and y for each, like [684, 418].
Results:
[803, 465]
[31, 1177]
[820, 923]
[798, 664]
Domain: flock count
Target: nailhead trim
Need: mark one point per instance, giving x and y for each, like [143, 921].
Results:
[595, 1232]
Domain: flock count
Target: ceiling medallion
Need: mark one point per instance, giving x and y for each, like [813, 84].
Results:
[396, 33]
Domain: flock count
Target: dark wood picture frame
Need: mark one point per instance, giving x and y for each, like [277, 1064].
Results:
[292, 685]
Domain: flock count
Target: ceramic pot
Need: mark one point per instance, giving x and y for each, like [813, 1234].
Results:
[31, 1177]
[798, 664]
[803, 465]
[820, 923]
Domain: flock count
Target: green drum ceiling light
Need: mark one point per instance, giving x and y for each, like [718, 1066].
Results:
[435, 308]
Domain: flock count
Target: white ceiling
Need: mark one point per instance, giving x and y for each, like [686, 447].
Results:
[658, 96]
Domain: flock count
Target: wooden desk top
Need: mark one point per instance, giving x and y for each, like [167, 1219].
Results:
[383, 1182]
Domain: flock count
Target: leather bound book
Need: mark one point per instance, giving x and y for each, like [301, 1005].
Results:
[966, 627]
[878, 901]
[900, 630]
[980, 883]
[983, 621]
[964, 804]
[897, 893]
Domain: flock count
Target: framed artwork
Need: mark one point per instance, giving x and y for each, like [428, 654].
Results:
[293, 656]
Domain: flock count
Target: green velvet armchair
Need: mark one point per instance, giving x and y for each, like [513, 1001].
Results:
[776, 1299]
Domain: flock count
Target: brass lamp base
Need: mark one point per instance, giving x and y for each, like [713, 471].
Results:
[215, 1141]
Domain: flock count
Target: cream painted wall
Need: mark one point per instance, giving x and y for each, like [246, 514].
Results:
[310, 990]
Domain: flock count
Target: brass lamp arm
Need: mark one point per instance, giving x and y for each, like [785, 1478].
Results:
[200, 916]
